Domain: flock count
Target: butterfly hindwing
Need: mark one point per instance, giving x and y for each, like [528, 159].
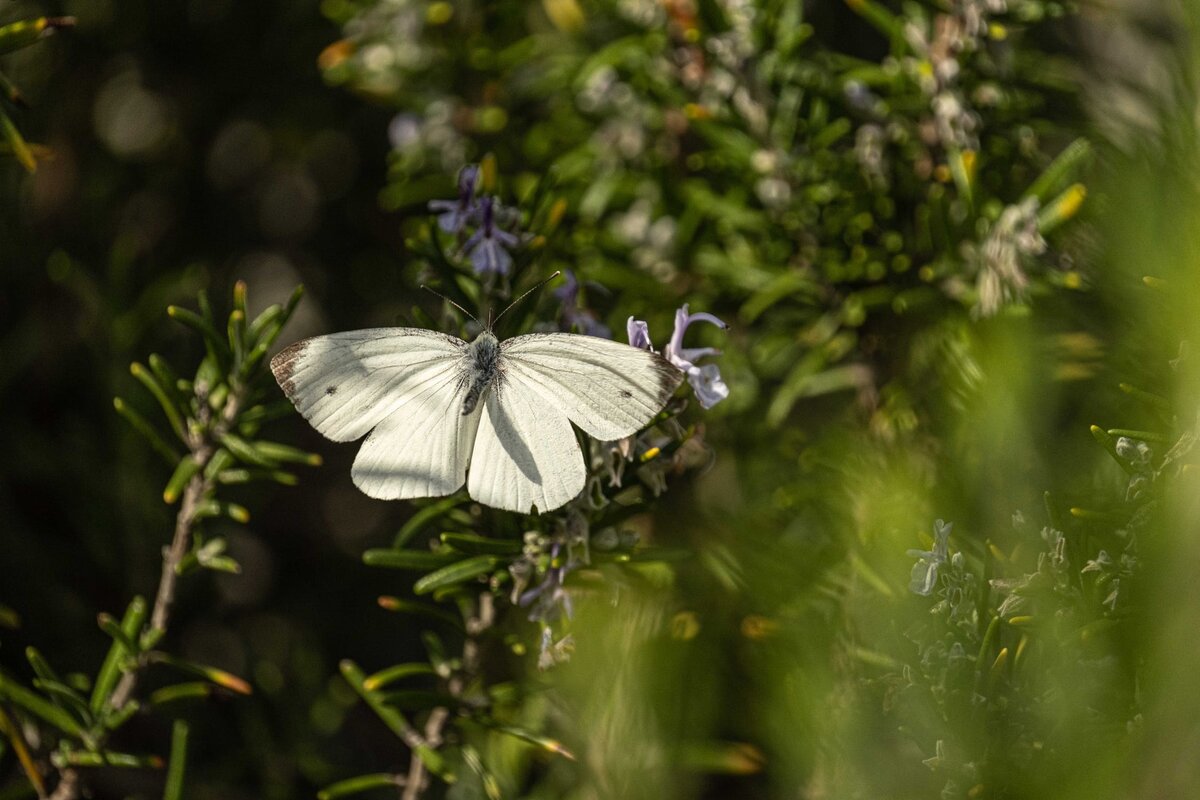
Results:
[525, 452]
[423, 448]
[608, 389]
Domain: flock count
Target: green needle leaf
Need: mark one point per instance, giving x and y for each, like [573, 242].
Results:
[40, 666]
[16, 142]
[396, 673]
[91, 758]
[65, 698]
[220, 677]
[544, 742]
[177, 767]
[187, 469]
[110, 670]
[1110, 445]
[215, 343]
[247, 475]
[473, 544]
[16, 35]
[1056, 177]
[1145, 436]
[40, 707]
[139, 424]
[407, 559]
[292, 302]
[271, 315]
[360, 784]
[415, 607]
[1061, 208]
[246, 452]
[458, 572]
[193, 690]
[1155, 401]
[147, 379]
[396, 722]
[423, 517]
[110, 626]
[286, 453]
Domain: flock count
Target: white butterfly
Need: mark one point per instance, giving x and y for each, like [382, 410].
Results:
[435, 405]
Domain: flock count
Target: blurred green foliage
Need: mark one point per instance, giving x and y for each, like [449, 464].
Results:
[885, 199]
[17, 36]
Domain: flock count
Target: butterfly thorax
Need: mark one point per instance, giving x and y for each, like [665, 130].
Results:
[482, 367]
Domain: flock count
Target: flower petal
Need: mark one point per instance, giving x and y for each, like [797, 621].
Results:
[707, 384]
[489, 256]
[923, 578]
[639, 334]
[676, 343]
[675, 351]
[704, 316]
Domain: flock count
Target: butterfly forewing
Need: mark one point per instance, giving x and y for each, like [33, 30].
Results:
[525, 453]
[404, 383]
[608, 389]
[345, 384]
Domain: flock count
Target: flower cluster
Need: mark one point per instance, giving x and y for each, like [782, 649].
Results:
[925, 571]
[489, 244]
[1139, 456]
[705, 380]
[1012, 240]
[998, 626]
[552, 557]
[937, 68]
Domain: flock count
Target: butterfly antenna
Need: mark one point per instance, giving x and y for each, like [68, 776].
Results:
[451, 302]
[522, 297]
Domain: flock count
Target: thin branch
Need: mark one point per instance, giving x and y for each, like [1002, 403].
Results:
[185, 521]
[202, 447]
[416, 781]
[68, 786]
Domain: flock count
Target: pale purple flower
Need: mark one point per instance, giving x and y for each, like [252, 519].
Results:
[707, 384]
[639, 334]
[706, 380]
[924, 572]
[487, 245]
[575, 317]
[551, 596]
[455, 213]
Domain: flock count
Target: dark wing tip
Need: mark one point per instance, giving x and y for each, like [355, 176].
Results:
[669, 378]
[283, 365]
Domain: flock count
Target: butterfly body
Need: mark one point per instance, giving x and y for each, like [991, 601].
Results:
[482, 367]
[433, 406]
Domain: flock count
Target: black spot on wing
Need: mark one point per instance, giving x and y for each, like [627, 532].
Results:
[330, 390]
